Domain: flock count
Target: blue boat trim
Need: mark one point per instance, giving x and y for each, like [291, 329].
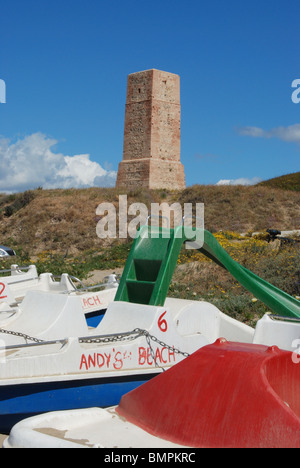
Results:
[21, 401]
[94, 318]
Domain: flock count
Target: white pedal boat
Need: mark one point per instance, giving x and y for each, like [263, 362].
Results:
[20, 294]
[132, 344]
[65, 364]
[18, 280]
[225, 395]
[83, 428]
[52, 360]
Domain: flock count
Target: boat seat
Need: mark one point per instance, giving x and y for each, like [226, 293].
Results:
[209, 321]
[49, 316]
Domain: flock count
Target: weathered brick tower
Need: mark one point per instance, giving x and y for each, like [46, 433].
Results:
[151, 152]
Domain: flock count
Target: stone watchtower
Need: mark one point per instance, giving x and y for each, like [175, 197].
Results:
[151, 152]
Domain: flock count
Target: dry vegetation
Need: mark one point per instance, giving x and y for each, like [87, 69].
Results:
[61, 220]
[56, 229]
[285, 182]
[197, 277]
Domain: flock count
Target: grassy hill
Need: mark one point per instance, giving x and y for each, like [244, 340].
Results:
[56, 229]
[61, 220]
[285, 182]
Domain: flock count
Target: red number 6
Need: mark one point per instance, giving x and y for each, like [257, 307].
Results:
[162, 323]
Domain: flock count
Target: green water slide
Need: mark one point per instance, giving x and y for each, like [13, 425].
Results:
[152, 261]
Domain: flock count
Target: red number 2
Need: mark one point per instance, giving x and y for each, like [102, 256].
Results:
[2, 287]
[162, 323]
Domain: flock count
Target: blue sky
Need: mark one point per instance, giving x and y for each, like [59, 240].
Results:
[65, 64]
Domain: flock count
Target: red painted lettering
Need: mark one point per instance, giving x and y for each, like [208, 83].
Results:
[171, 353]
[118, 364]
[99, 359]
[157, 355]
[97, 300]
[92, 360]
[142, 356]
[107, 359]
[162, 359]
[149, 357]
[161, 355]
[162, 323]
[2, 287]
[91, 302]
[83, 362]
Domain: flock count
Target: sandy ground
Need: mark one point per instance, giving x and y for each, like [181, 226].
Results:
[98, 276]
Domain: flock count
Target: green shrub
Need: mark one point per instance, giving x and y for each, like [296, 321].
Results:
[18, 201]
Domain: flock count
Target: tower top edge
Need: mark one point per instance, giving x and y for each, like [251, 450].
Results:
[154, 70]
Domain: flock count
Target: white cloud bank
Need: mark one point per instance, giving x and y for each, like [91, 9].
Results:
[30, 163]
[241, 181]
[291, 134]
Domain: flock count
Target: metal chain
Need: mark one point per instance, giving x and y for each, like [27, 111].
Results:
[22, 335]
[129, 336]
[137, 332]
[111, 338]
[161, 343]
[104, 339]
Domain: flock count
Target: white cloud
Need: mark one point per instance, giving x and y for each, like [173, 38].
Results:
[251, 131]
[241, 181]
[30, 163]
[289, 134]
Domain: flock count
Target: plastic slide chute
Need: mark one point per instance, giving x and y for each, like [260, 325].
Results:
[153, 257]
